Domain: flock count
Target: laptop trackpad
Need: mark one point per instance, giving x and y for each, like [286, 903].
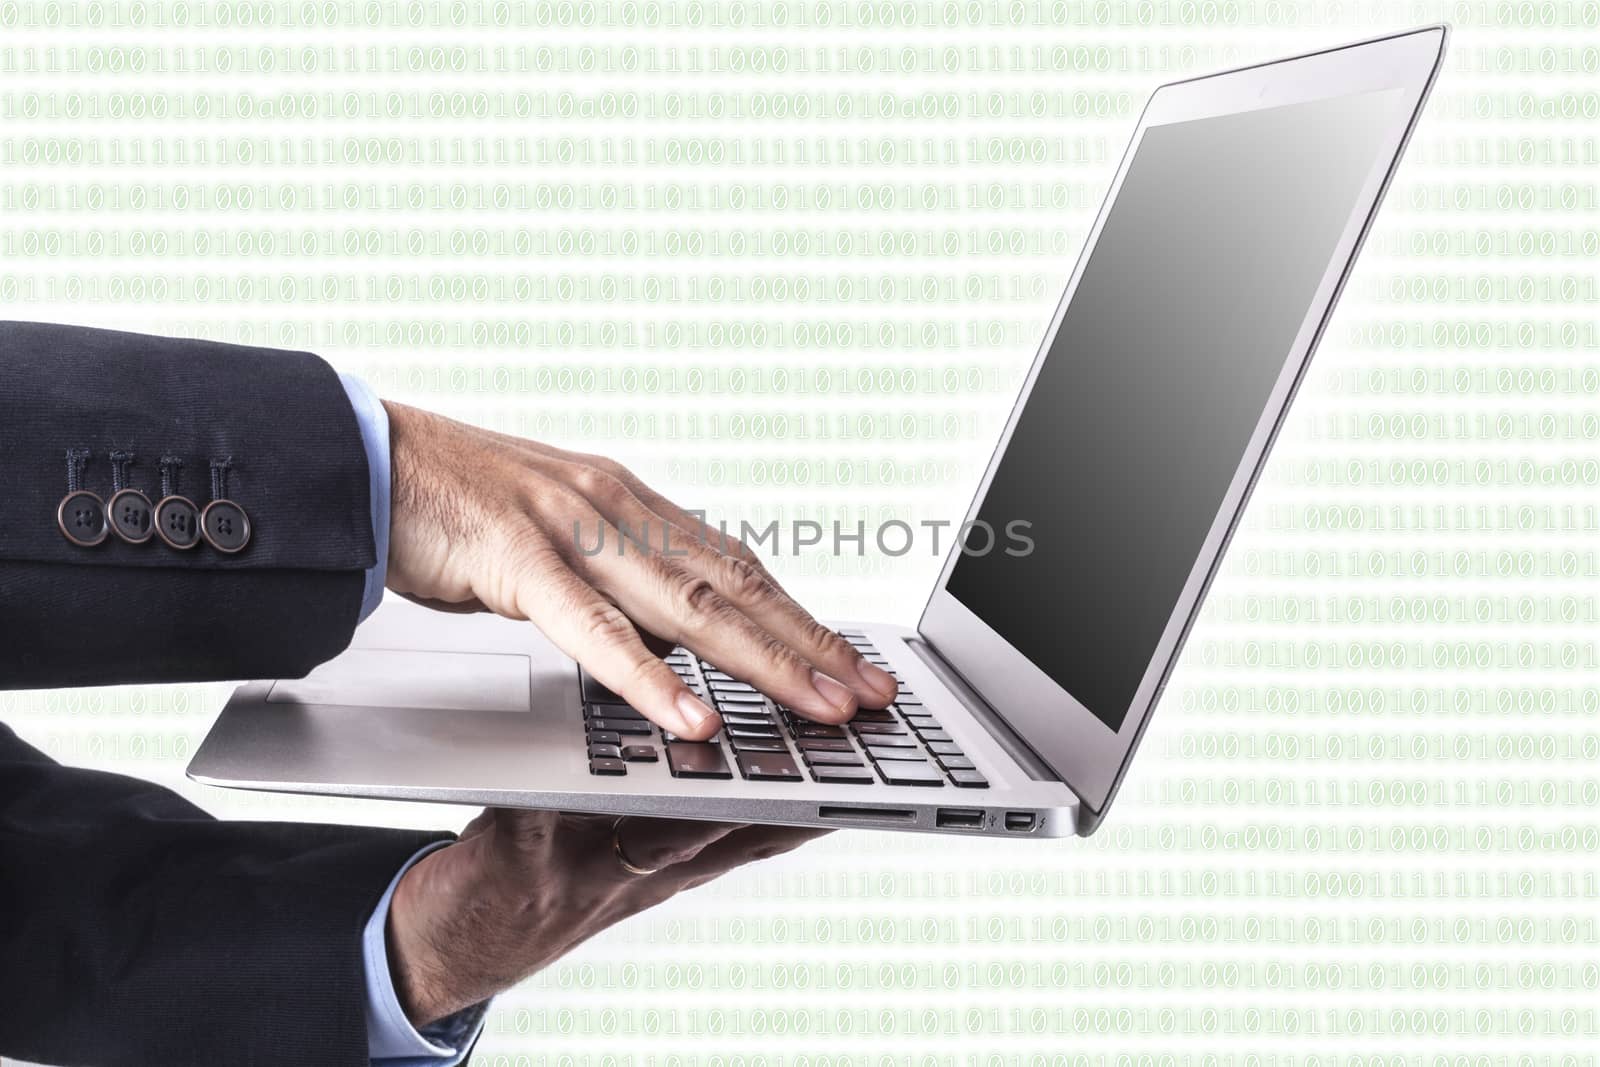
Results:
[406, 678]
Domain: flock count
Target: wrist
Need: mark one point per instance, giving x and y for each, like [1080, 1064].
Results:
[427, 526]
[442, 935]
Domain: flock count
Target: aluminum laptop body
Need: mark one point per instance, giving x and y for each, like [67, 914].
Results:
[1191, 315]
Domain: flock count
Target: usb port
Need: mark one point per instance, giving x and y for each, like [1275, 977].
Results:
[1020, 822]
[959, 818]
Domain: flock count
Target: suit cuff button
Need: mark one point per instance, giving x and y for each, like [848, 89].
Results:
[132, 517]
[81, 516]
[225, 526]
[178, 522]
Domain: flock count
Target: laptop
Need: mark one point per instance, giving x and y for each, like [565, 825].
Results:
[1188, 321]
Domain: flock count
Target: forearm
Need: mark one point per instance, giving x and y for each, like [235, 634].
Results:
[101, 411]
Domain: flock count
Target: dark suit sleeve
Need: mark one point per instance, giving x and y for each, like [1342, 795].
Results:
[278, 423]
[134, 928]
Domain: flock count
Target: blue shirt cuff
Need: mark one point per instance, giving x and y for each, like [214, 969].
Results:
[374, 421]
[391, 1039]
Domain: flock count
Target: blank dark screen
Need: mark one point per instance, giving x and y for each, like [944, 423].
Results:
[1181, 323]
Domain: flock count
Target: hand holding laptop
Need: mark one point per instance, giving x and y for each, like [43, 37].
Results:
[520, 889]
[606, 568]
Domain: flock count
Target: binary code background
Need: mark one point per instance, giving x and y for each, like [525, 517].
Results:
[790, 260]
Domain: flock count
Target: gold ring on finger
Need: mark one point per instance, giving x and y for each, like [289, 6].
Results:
[622, 857]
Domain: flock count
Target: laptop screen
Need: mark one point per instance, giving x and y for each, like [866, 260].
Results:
[1186, 310]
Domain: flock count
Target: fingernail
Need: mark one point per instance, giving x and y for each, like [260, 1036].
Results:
[694, 711]
[836, 695]
[877, 679]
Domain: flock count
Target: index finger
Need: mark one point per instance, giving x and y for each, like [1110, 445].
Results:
[595, 632]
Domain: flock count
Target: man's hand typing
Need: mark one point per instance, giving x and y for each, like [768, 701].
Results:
[485, 521]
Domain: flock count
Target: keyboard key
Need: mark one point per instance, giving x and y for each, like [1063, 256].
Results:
[969, 780]
[768, 766]
[640, 753]
[758, 744]
[906, 698]
[604, 737]
[945, 748]
[732, 687]
[595, 693]
[843, 775]
[604, 752]
[871, 715]
[899, 772]
[607, 766]
[754, 731]
[747, 717]
[933, 735]
[831, 759]
[667, 735]
[611, 711]
[817, 729]
[691, 759]
[734, 699]
[878, 752]
[824, 744]
[636, 727]
[955, 763]
[877, 728]
[888, 741]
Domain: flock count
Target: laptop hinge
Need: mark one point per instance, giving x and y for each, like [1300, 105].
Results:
[1004, 735]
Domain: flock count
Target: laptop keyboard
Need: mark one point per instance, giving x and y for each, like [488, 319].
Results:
[765, 742]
